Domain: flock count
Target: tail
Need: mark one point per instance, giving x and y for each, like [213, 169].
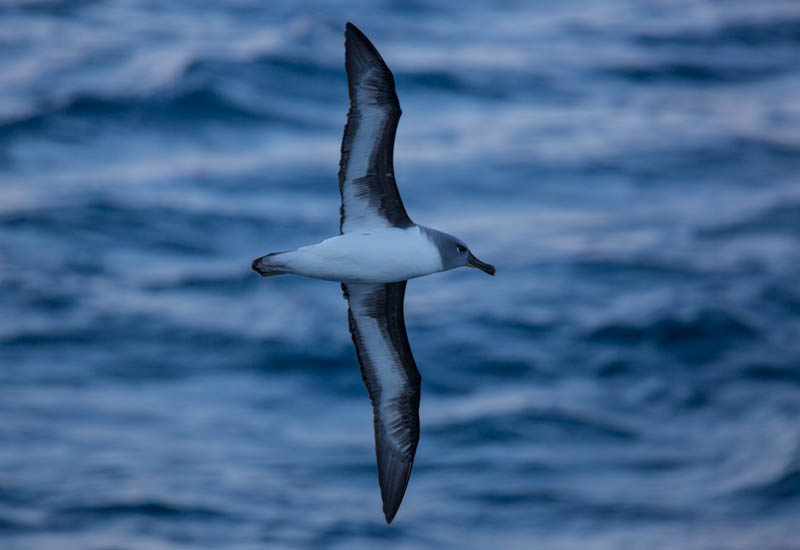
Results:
[269, 265]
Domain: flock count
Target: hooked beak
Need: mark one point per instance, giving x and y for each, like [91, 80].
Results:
[472, 261]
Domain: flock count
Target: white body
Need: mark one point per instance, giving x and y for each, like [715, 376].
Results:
[378, 256]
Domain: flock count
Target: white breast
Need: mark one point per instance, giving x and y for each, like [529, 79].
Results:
[379, 256]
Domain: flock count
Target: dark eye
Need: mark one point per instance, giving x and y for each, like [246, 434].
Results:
[461, 249]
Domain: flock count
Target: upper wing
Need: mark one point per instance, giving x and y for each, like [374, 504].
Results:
[392, 380]
[366, 173]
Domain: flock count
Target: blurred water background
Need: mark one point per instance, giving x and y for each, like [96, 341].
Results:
[630, 379]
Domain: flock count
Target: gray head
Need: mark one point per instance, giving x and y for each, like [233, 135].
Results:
[455, 252]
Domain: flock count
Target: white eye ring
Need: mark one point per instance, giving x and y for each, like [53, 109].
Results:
[461, 249]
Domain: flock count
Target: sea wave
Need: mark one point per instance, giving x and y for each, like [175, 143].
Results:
[629, 378]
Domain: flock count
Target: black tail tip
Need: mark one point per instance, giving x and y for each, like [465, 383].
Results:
[267, 266]
[263, 268]
[259, 267]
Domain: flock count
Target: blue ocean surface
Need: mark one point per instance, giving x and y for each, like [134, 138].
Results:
[630, 379]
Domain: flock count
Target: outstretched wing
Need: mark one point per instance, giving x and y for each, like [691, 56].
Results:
[392, 380]
[370, 199]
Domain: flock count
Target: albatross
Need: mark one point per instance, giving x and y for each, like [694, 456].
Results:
[377, 250]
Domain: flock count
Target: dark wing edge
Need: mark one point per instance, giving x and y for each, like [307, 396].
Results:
[392, 380]
[369, 133]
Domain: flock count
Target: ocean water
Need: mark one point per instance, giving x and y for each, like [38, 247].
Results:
[630, 379]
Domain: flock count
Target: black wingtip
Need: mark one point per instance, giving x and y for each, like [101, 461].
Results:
[359, 47]
[390, 509]
[349, 28]
[352, 32]
[394, 481]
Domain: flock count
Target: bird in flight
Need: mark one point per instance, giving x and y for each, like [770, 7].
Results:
[377, 250]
